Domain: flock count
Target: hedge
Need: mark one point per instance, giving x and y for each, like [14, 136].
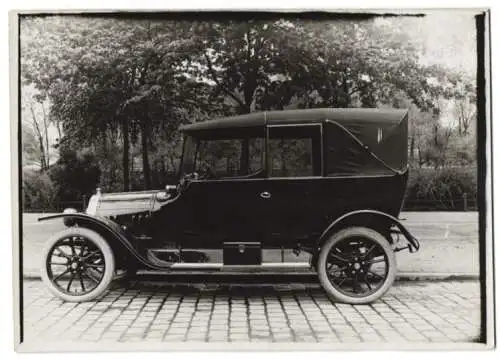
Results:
[450, 189]
[38, 191]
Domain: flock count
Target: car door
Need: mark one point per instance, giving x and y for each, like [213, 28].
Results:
[293, 163]
[223, 203]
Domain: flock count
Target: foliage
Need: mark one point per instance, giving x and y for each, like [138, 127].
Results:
[29, 147]
[75, 175]
[38, 191]
[249, 63]
[441, 189]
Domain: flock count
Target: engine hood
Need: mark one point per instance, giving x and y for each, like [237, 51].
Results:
[122, 203]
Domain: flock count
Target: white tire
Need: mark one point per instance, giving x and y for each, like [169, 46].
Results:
[369, 236]
[101, 249]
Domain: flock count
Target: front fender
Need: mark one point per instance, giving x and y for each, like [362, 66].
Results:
[110, 231]
[413, 243]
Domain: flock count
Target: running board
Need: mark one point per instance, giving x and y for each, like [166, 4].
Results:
[220, 267]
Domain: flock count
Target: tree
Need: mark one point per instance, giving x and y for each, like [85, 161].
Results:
[259, 65]
[35, 125]
[361, 64]
[75, 175]
[464, 104]
[102, 89]
[252, 64]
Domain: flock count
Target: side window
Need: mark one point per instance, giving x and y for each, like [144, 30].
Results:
[219, 158]
[294, 151]
[344, 156]
[225, 158]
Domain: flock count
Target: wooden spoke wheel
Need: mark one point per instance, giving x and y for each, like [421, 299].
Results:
[78, 265]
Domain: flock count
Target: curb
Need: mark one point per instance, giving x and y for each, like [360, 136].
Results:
[280, 276]
[402, 277]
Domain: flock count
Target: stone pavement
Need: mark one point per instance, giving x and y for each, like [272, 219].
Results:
[149, 312]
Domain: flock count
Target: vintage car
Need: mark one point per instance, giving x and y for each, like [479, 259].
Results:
[325, 182]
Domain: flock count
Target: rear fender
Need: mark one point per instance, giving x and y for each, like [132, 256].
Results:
[373, 219]
[109, 230]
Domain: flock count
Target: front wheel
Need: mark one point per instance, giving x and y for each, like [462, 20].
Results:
[357, 265]
[78, 265]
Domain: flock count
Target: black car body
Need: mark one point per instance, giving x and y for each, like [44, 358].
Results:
[269, 180]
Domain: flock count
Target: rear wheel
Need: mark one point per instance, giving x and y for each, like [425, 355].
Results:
[78, 265]
[357, 265]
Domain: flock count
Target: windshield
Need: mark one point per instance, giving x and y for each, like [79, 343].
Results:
[188, 156]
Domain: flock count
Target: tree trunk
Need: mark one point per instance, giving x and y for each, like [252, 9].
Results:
[412, 148]
[163, 171]
[43, 162]
[104, 142]
[59, 130]
[43, 156]
[244, 109]
[345, 88]
[145, 153]
[125, 158]
[46, 136]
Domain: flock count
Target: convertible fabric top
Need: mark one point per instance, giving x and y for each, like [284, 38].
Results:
[344, 116]
[357, 140]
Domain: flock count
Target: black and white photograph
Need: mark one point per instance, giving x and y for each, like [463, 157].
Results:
[250, 180]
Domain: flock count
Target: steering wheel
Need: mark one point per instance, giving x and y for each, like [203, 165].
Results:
[206, 173]
[188, 177]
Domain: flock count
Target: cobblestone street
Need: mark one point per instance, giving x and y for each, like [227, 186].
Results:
[410, 312]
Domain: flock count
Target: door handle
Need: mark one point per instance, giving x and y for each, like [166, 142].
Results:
[265, 195]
